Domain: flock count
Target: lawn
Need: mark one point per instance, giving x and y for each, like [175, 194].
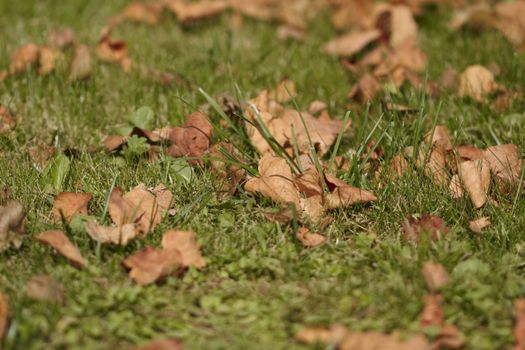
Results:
[260, 286]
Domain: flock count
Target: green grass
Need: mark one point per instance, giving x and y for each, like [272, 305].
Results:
[259, 288]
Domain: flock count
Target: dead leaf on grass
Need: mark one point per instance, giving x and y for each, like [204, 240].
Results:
[351, 43]
[478, 225]
[150, 265]
[343, 195]
[505, 164]
[114, 51]
[327, 335]
[82, 63]
[61, 243]
[475, 179]
[44, 288]
[510, 21]
[11, 225]
[149, 13]
[61, 38]
[4, 315]
[309, 239]
[188, 12]
[519, 325]
[23, 58]
[120, 235]
[193, 139]
[477, 82]
[7, 120]
[430, 224]
[185, 243]
[48, 58]
[67, 204]
[435, 275]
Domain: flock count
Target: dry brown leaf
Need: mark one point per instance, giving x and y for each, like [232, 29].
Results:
[343, 195]
[478, 225]
[164, 344]
[519, 326]
[309, 182]
[316, 107]
[23, 58]
[376, 341]
[67, 204]
[185, 244]
[114, 142]
[313, 207]
[434, 163]
[477, 82]
[7, 120]
[193, 139]
[403, 27]
[351, 43]
[456, 189]
[59, 241]
[62, 38]
[327, 335]
[477, 16]
[283, 92]
[44, 288]
[435, 275]
[430, 224]
[475, 178]
[440, 138]
[399, 165]
[138, 206]
[82, 63]
[365, 89]
[4, 315]
[188, 12]
[120, 235]
[139, 12]
[432, 314]
[449, 337]
[11, 225]
[309, 239]
[511, 21]
[48, 58]
[469, 152]
[150, 265]
[275, 181]
[505, 164]
[114, 51]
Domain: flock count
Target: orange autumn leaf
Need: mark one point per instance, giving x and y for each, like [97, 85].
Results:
[150, 265]
[23, 58]
[344, 195]
[435, 275]
[67, 204]
[351, 43]
[187, 12]
[120, 235]
[193, 138]
[478, 225]
[62, 38]
[61, 243]
[477, 82]
[185, 244]
[309, 239]
[114, 51]
[148, 13]
[475, 179]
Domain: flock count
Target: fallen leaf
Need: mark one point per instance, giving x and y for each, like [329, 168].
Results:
[81, 64]
[59, 241]
[286, 32]
[192, 139]
[114, 142]
[4, 315]
[114, 51]
[275, 181]
[430, 224]
[519, 326]
[505, 164]
[479, 224]
[327, 335]
[434, 163]
[510, 21]
[185, 244]
[376, 340]
[344, 195]
[48, 58]
[23, 58]
[432, 314]
[164, 344]
[309, 239]
[62, 38]
[477, 16]
[469, 152]
[11, 225]
[399, 165]
[44, 288]
[477, 82]
[365, 89]
[351, 43]
[120, 235]
[403, 27]
[475, 178]
[440, 138]
[283, 92]
[456, 189]
[187, 12]
[148, 13]
[150, 265]
[7, 120]
[435, 275]
[67, 204]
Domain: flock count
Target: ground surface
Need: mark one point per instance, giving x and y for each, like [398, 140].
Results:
[258, 287]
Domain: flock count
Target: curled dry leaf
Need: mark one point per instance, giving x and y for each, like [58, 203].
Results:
[82, 63]
[327, 335]
[477, 82]
[7, 120]
[475, 178]
[140, 205]
[150, 264]
[4, 315]
[23, 58]
[505, 164]
[192, 139]
[68, 204]
[48, 58]
[309, 239]
[62, 38]
[185, 243]
[120, 235]
[478, 225]
[275, 181]
[435, 275]
[351, 43]
[44, 288]
[11, 225]
[114, 51]
[344, 195]
[430, 224]
[519, 326]
[59, 241]
[164, 344]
